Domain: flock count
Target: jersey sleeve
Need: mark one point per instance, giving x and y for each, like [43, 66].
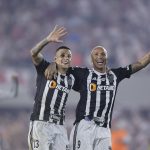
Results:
[123, 72]
[78, 74]
[42, 66]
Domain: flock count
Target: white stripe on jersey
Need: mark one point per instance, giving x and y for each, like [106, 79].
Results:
[54, 96]
[114, 92]
[107, 98]
[73, 79]
[98, 97]
[89, 79]
[44, 100]
[63, 96]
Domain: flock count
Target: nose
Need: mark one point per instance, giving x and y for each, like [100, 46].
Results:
[99, 56]
[66, 58]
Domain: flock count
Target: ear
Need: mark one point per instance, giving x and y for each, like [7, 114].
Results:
[89, 61]
[90, 56]
[55, 59]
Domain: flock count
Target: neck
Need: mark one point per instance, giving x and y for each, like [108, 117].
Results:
[62, 70]
[101, 70]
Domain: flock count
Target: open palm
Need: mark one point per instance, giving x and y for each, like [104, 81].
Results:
[57, 34]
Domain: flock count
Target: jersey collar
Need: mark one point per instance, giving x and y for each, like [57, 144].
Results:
[98, 73]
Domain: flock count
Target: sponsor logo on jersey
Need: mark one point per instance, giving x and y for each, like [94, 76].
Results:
[62, 88]
[106, 87]
[54, 85]
[94, 87]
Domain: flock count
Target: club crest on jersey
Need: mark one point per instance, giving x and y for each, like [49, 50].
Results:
[94, 87]
[53, 84]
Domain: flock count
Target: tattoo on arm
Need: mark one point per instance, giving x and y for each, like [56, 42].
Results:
[35, 51]
[142, 63]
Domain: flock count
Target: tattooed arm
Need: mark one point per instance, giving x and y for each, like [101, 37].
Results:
[141, 63]
[54, 36]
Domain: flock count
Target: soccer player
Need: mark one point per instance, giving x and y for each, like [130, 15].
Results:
[97, 88]
[46, 131]
[13, 92]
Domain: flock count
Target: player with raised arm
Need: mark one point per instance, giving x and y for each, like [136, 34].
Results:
[97, 88]
[46, 129]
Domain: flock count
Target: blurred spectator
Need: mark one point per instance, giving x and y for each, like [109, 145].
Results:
[122, 27]
[10, 93]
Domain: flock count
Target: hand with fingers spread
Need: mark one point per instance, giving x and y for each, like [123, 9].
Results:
[56, 34]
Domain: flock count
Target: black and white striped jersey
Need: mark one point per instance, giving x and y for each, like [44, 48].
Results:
[51, 95]
[97, 92]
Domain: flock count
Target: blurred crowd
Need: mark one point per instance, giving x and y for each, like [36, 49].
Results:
[14, 127]
[121, 26]
[134, 124]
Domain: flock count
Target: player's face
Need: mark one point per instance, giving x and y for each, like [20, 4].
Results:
[99, 58]
[63, 58]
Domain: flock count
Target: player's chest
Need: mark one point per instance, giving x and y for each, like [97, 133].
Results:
[96, 83]
[60, 83]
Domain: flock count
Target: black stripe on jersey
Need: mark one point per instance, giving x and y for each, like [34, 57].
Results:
[59, 95]
[75, 136]
[64, 104]
[111, 82]
[69, 79]
[93, 94]
[102, 96]
[40, 84]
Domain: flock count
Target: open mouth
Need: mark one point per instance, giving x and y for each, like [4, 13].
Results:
[65, 62]
[100, 62]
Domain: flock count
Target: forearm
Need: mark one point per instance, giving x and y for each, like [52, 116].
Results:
[53, 36]
[38, 48]
[141, 63]
[36, 51]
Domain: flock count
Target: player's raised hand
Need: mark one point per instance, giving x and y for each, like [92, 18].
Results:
[57, 34]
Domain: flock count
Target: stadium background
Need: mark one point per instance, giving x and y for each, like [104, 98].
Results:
[121, 26]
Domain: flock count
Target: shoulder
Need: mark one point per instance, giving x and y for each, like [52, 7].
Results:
[122, 69]
[122, 72]
[78, 69]
[42, 66]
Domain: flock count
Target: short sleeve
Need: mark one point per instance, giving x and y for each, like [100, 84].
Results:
[123, 72]
[79, 74]
[42, 66]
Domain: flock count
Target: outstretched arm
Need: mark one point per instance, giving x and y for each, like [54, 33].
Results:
[54, 36]
[141, 63]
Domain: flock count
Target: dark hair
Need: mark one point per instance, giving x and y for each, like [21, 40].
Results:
[62, 47]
